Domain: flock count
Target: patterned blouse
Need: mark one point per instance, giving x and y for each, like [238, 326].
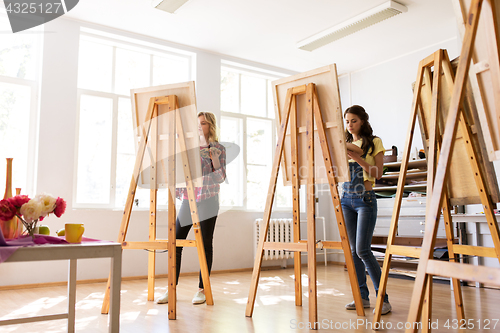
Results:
[211, 177]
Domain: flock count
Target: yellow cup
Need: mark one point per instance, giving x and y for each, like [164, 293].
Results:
[74, 232]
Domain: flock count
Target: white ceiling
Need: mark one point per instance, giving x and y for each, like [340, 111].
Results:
[266, 31]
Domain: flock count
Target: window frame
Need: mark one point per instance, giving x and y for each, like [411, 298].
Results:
[269, 76]
[129, 44]
[33, 126]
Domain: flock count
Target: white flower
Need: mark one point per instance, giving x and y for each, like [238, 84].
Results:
[48, 203]
[32, 210]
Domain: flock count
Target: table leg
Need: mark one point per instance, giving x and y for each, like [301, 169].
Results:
[71, 295]
[475, 230]
[116, 279]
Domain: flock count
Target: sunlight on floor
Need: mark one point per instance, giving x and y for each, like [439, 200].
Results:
[241, 300]
[330, 292]
[132, 315]
[305, 280]
[82, 323]
[232, 282]
[152, 312]
[35, 307]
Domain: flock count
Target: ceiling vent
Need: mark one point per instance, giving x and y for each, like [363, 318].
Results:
[169, 6]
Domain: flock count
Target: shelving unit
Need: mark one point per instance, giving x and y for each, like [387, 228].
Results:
[411, 224]
[416, 177]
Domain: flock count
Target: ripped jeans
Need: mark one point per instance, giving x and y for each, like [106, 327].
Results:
[360, 215]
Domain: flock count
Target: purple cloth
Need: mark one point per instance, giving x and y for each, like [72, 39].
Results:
[7, 248]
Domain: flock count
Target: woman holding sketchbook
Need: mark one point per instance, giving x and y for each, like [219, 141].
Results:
[359, 203]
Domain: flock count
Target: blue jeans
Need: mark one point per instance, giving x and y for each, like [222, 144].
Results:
[360, 214]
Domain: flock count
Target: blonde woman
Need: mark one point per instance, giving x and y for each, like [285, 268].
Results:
[213, 163]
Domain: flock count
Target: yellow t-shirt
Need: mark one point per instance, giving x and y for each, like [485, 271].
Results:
[370, 156]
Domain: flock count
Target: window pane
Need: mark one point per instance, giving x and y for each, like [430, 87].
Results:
[125, 157]
[94, 149]
[132, 71]
[283, 194]
[253, 96]
[15, 103]
[229, 95]
[231, 192]
[257, 186]
[18, 52]
[95, 64]
[259, 141]
[170, 70]
[259, 157]
[270, 100]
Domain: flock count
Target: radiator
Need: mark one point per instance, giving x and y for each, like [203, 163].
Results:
[281, 230]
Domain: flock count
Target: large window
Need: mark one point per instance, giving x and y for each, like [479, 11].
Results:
[19, 81]
[247, 120]
[108, 68]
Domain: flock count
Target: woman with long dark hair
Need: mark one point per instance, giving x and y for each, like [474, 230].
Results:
[359, 204]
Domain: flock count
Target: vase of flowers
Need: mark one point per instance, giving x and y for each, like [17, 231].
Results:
[11, 228]
[30, 211]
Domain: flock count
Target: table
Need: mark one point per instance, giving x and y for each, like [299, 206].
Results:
[73, 252]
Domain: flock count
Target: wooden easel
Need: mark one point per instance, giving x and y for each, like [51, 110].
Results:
[314, 116]
[426, 90]
[428, 267]
[175, 131]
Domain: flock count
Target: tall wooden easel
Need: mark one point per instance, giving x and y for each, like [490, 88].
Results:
[176, 132]
[428, 267]
[314, 117]
[428, 102]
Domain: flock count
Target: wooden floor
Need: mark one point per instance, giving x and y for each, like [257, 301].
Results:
[275, 310]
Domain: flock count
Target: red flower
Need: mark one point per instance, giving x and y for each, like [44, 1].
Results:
[7, 210]
[60, 207]
[19, 200]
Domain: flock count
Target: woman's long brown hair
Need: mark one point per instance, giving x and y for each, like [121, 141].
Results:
[365, 132]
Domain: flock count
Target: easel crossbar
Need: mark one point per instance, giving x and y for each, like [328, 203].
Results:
[468, 272]
[292, 247]
[479, 251]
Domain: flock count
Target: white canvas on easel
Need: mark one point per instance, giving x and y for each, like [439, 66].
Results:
[187, 104]
[326, 85]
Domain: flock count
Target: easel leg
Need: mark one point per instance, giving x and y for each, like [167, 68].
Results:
[344, 239]
[457, 287]
[311, 202]
[152, 206]
[297, 260]
[194, 210]
[269, 203]
[399, 196]
[172, 238]
[427, 306]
